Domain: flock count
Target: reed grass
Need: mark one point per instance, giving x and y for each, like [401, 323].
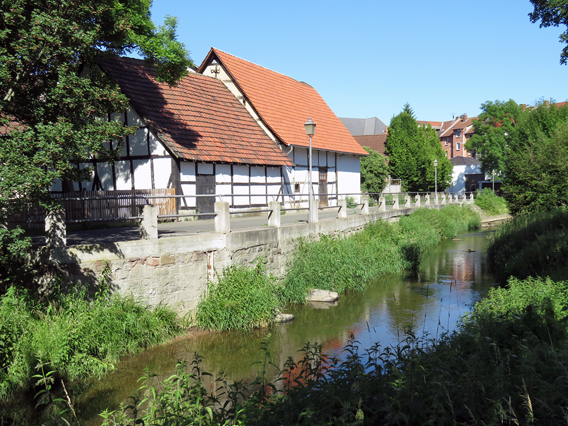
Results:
[243, 299]
[347, 264]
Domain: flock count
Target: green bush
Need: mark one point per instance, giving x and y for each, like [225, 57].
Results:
[73, 337]
[243, 299]
[531, 245]
[490, 202]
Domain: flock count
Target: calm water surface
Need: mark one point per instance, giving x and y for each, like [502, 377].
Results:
[453, 276]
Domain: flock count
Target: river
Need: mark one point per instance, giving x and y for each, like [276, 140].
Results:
[453, 276]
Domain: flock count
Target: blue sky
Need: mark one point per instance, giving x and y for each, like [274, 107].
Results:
[369, 58]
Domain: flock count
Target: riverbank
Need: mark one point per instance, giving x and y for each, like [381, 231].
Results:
[247, 297]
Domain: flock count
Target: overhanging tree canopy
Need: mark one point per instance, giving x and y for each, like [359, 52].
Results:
[54, 105]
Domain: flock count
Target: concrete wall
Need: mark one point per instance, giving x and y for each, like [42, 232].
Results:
[177, 271]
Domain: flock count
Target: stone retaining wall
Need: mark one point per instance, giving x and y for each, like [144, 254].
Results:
[177, 271]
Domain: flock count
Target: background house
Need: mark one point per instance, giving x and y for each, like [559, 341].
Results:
[466, 175]
[281, 106]
[453, 134]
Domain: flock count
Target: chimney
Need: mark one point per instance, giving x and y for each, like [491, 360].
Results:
[463, 117]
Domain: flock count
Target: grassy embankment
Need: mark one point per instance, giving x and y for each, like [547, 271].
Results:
[490, 203]
[246, 298]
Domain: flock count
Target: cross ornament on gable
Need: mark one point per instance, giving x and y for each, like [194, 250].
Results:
[215, 71]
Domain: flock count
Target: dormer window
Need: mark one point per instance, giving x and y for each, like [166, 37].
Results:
[459, 132]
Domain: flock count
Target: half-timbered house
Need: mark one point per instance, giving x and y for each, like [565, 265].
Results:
[192, 138]
[281, 105]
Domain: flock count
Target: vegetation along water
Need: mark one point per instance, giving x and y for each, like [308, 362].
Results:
[505, 364]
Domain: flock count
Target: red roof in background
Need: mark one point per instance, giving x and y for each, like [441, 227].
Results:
[285, 104]
[375, 142]
[199, 119]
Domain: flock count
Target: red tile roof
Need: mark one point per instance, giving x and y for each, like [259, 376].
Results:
[199, 119]
[285, 104]
[375, 142]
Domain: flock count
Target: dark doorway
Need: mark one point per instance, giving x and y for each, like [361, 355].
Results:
[322, 187]
[205, 186]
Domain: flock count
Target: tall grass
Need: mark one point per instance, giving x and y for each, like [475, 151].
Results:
[72, 337]
[491, 203]
[347, 264]
[531, 245]
[243, 299]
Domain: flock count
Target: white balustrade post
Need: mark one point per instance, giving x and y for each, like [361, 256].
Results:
[315, 211]
[55, 229]
[396, 204]
[417, 200]
[365, 207]
[342, 212]
[223, 217]
[382, 204]
[274, 215]
[149, 223]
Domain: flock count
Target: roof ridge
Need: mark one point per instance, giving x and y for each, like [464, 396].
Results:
[264, 68]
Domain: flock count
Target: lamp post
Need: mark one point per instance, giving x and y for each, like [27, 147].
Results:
[310, 127]
[436, 179]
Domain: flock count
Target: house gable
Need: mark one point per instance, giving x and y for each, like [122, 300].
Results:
[281, 103]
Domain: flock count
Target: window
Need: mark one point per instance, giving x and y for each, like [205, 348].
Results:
[446, 141]
[458, 134]
[458, 146]
[296, 187]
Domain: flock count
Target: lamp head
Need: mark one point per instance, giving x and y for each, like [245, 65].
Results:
[310, 127]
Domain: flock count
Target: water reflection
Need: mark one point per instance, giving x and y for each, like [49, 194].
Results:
[453, 276]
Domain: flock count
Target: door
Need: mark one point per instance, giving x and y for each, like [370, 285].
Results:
[205, 185]
[322, 187]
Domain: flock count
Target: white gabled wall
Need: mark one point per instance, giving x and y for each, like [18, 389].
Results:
[349, 174]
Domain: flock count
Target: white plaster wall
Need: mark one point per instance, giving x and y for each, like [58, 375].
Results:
[162, 172]
[349, 174]
[458, 177]
[138, 142]
[142, 174]
[104, 171]
[133, 119]
[241, 174]
[123, 176]
[187, 170]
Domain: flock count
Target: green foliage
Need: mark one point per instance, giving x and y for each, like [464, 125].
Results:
[374, 172]
[350, 201]
[530, 245]
[552, 14]
[347, 264]
[71, 337]
[52, 99]
[490, 202]
[505, 365]
[242, 299]
[411, 150]
[537, 165]
[494, 131]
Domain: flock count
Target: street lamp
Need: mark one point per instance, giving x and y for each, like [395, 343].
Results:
[436, 179]
[310, 127]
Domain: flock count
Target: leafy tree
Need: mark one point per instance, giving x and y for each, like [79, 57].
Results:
[494, 130]
[552, 13]
[374, 172]
[536, 175]
[411, 150]
[52, 99]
